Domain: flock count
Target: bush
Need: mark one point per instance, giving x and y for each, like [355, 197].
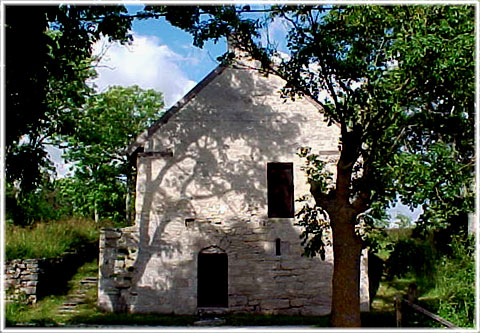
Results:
[42, 204]
[49, 240]
[412, 256]
[455, 283]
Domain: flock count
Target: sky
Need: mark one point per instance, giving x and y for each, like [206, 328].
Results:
[162, 57]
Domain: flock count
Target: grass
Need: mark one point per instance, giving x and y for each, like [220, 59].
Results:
[49, 240]
[276, 320]
[45, 311]
[151, 319]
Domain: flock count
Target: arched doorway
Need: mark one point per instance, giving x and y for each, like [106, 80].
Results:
[212, 278]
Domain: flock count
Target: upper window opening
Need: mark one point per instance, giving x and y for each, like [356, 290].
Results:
[280, 189]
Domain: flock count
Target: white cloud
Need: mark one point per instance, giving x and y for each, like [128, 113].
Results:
[145, 63]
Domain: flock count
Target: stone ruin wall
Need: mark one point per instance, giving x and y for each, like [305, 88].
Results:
[21, 278]
[27, 280]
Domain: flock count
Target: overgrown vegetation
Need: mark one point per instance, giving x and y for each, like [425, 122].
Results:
[49, 240]
[45, 311]
[454, 283]
[443, 273]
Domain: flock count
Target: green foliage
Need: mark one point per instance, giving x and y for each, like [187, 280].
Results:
[314, 219]
[315, 225]
[104, 127]
[42, 90]
[411, 256]
[436, 179]
[44, 204]
[455, 283]
[49, 240]
[444, 274]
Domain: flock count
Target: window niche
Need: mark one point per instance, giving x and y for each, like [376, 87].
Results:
[278, 247]
[280, 189]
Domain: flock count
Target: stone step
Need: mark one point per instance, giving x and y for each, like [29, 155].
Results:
[91, 278]
[67, 313]
[75, 301]
[67, 308]
[78, 296]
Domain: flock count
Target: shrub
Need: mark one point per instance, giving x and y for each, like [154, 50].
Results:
[49, 240]
[42, 204]
[455, 283]
[411, 256]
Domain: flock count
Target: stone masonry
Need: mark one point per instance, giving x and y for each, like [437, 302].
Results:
[21, 278]
[202, 184]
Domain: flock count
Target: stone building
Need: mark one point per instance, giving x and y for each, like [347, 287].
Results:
[216, 185]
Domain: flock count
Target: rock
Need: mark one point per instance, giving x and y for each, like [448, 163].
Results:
[210, 322]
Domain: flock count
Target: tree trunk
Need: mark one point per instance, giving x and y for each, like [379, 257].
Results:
[347, 249]
[96, 215]
[128, 200]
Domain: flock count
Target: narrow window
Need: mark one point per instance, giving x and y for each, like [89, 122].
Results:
[277, 247]
[280, 189]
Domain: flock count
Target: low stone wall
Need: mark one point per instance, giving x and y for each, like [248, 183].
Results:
[21, 278]
[35, 278]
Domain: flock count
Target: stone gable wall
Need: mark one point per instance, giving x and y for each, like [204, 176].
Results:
[211, 191]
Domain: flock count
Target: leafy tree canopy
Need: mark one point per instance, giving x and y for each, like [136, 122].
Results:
[400, 84]
[104, 127]
[41, 89]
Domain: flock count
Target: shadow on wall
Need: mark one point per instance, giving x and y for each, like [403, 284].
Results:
[212, 190]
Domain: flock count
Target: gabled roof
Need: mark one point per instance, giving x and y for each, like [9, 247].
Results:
[145, 135]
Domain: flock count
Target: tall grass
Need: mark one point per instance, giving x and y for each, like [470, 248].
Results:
[455, 283]
[49, 240]
[443, 272]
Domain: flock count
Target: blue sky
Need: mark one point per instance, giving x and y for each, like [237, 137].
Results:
[162, 57]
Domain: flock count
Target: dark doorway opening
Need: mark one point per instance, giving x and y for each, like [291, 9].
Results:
[212, 278]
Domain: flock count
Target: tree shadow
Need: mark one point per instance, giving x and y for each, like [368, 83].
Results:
[211, 191]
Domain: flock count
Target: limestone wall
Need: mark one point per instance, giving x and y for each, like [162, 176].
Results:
[35, 278]
[21, 277]
[212, 191]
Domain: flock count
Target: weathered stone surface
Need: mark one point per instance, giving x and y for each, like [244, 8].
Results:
[213, 193]
[28, 290]
[297, 302]
[275, 304]
[27, 276]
